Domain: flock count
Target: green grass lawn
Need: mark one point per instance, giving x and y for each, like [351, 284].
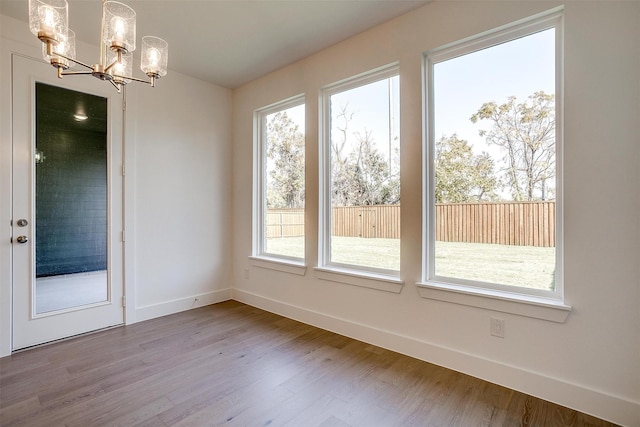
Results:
[526, 266]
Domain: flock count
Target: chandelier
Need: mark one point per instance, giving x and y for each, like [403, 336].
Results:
[48, 20]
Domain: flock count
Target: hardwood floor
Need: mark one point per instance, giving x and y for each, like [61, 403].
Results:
[232, 364]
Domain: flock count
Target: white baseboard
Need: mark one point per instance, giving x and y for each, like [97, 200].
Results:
[602, 405]
[170, 307]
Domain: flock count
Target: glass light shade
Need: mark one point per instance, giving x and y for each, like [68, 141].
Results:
[122, 69]
[119, 26]
[48, 19]
[155, 53]
[66, 46]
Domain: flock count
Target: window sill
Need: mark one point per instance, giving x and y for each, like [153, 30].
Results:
[523, 305]
[279, 264]
[381, 282]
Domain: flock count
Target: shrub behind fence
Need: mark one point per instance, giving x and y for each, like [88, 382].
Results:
[508, 223]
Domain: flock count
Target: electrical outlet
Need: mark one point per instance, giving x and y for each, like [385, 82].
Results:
[497, 327]
[246, 273]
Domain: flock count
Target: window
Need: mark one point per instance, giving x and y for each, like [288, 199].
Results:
[493, 193]
[360, 168]
[279, 181]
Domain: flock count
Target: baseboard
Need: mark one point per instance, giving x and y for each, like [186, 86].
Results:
[602, 405]
[175, 306]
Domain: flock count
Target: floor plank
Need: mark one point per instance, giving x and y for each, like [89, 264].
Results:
[232, 364]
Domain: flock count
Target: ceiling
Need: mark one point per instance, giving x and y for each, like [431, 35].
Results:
[231, 42]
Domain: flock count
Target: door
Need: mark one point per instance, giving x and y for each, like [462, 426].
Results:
[367, 223]
[67, 204]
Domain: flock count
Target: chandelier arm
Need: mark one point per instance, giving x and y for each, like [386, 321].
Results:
[76, 73]
[102, 46]
[73, 60]
[115, 61]
[110, 66]
[135, 79]
[115, 85]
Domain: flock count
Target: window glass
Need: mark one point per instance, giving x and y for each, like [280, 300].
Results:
[493, 168]
[283, 181]
[364, 175]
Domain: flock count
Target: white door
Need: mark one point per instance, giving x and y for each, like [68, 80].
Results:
[67, 204]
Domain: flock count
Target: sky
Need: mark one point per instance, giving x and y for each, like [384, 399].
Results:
[370, 106]
[461, 85]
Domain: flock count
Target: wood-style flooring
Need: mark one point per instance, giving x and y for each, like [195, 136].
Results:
[232, 364]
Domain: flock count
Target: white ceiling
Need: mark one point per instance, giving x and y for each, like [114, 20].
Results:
[231, 42]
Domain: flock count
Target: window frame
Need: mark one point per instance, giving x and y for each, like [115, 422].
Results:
[375, 278]
[260, 257]
[504, 298]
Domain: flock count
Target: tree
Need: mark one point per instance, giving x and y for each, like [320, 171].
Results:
[526, 134]
[285, 163]
[370, 178]
[342, 186]
[360, 174]
[462, 176]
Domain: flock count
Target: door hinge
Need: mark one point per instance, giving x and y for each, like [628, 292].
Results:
[124, 301]
[123, 171]
[122, 236]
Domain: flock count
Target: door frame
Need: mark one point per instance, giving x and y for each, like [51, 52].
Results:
[116, 189]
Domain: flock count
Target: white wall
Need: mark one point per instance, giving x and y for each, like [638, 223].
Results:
[179, 204]
[178, 189]
[592, 361]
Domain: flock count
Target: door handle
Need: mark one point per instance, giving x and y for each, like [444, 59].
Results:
[22, 239]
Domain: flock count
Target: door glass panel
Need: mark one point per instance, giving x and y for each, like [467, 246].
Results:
[70, 199]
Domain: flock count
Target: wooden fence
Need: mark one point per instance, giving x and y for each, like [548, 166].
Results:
[366, 221]
[515, 223]
[348, 221]
[285, 223]
[510, 223]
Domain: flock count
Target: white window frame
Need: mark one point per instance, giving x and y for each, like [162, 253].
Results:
[548, 305]
[374, 278]
[260, 257]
